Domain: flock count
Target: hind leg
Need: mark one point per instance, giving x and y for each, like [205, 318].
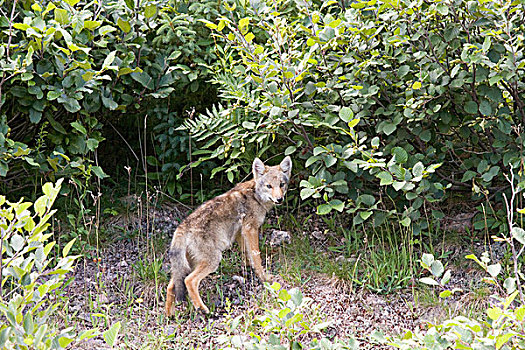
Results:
[170, 298]
[202, 269]
[176, 291]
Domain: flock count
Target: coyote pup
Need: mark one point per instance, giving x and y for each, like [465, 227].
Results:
[198, 242]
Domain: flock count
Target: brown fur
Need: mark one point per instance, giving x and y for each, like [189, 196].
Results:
[237, 215]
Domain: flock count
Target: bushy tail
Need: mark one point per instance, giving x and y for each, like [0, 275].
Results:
[180, 268]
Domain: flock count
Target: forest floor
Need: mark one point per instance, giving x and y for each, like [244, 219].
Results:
[125, 280]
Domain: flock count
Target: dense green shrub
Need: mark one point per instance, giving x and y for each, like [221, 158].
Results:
[500, 327]
[284, 326]
[389, 103]
[68, 67]
[502, 324]
[31, 280]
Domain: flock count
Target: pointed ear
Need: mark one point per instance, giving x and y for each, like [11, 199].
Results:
[286, 165]
[258, 168]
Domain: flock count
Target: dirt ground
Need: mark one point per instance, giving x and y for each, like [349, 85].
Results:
[120, 285]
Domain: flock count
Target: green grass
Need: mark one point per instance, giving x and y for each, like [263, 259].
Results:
[381, 260]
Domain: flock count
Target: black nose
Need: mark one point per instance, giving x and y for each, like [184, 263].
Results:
[280, 200]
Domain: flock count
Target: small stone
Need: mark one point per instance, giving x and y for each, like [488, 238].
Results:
[239, 279]
[278, 237]
[318, 235]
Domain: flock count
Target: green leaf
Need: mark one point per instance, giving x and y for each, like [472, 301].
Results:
[41, 205]
[426, 135]
[124, 25]
[91, 25]
[324, 209]
[337, 205]
[442, 9]
[437, 268]
[4, 335]
[109, 102]
[518, 234]
[61, 16]
[64, 341]
[486, 44]
[494, 313]
[29, 325]
[446, 277]
[144, 79]
[307, 192]
[416, 85]
[79, 127]
[34, 116]
[110, 336]
[53, 95]
[427, 260]
[329, 160]
[520, 313]
[471, 107]
[92, 144]
[365, 214]
[406, 221]
[509, 284]
[346, 114]
[445, 294]
[17, 242]
[485, 108]
[400, 155]
[243, 25]
[69, 103]
[289, 150]
[109, 59]
[72, 2]
[248, 125]
[283, 312]
[494, 270]
[495, 79]
[353, 123]
[386, 178]
[469, 174]
[99, 172]
[429, 281]
[106, 29]
[389, 128]
[284, 295]
[366, 199]
[417, 170]
[150, 11]
[67, 248]
[503, 339]
[88, 334]
[403, 70]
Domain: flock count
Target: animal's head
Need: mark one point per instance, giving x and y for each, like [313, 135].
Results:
[271, 182]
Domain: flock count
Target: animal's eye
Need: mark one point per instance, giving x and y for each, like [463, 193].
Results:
[283, 184]
[269, 186]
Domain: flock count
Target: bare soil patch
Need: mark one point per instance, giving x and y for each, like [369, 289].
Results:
[120, 285]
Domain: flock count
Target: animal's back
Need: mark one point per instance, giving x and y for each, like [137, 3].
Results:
[220, 218]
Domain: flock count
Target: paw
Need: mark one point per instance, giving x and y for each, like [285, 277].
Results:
[170, 310]
[203, 309]
[267, 277]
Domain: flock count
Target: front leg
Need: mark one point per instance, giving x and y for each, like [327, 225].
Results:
[249, 243]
